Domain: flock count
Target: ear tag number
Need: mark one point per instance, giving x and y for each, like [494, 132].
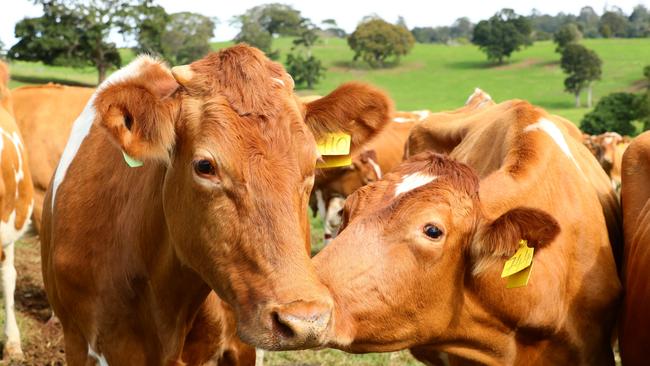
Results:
[334, 147]
[517, 269]
[131, 161]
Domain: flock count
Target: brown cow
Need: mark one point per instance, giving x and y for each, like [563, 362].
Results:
[634, 330]
[418, 262]
[130, 254]
[16, 204]
[45, 114]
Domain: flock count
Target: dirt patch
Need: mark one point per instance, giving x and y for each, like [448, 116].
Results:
[529, 62]
[638, 86]
[42, 340]
[358, 69]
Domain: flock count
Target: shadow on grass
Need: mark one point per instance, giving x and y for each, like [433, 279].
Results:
[560, 105]
[363, 66]
[473, 65]
[45, 80]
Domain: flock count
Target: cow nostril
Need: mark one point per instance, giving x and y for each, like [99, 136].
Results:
[281, 326]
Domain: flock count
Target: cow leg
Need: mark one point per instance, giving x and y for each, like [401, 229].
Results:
[12, 349]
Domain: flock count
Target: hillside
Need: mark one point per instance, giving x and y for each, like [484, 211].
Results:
[440, 77]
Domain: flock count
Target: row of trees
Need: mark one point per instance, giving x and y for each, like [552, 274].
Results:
[76, 33]
[612, 23]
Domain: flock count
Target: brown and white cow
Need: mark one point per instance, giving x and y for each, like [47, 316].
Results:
[130, 254]
[44, 114]
[634, 330]
[16, 204]
[379, 156]
[418, 261]
[608, 148]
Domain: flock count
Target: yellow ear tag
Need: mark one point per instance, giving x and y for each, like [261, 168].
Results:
[517, 269]
[334, 143]
[131, 161]
[334, 148]
[334, 161]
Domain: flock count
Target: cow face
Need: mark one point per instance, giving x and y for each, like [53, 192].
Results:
[409, 244]
[367, 166]
[240, 157]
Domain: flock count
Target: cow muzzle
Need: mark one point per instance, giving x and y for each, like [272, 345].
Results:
[300, 324]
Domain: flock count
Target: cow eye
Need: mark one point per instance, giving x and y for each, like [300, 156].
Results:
[204, 167]
[432, 231]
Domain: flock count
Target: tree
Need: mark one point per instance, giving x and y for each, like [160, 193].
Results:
[376, 41]
[2, 49]
[588, 21]
[332, 29]
[639, 22]
[461, 28]
[613, 24]
[583, 66]
[73, 34]
[614, 112]
[568, 33]
[187, 37]
[301, 64]
[646, 73]
[401, 21]
[255, 35]
[502, 34]
[277, 19]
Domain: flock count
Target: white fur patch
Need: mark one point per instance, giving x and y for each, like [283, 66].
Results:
[556, 135]
[402, 120]
[412, 181]
[422, 114]
[279, 81]
[101, 360]
[8, 287]
[375, 167]
[478, 91]
[82, 124]
[333, 218]
[8, 231]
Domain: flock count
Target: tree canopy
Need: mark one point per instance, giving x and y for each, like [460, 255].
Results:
[187, 37]
[502, 34]
[568, 33]
[583, 66]
[377, 42]
[73, 34]
[614, 112]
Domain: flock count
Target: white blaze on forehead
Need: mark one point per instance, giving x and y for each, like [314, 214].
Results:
[412, 181]
[81, 126]
[556, 135]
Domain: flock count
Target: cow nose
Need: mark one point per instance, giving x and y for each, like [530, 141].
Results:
[301, 324]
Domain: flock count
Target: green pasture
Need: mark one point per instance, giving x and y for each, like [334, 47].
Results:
[437, 77]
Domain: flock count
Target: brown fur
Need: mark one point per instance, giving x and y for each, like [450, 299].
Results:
[157, 239]
[399, 289]
[634, 325]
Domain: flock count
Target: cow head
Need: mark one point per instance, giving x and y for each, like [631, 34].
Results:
[410, 246]
[239, 153]
[367, 166]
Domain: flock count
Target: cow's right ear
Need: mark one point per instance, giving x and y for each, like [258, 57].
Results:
[355, 108]
[140, 112]
[500, 238]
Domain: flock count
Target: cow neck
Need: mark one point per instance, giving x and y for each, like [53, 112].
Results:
[476, 335]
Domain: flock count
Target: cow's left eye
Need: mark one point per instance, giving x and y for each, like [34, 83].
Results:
[432, 231]
[204, 167]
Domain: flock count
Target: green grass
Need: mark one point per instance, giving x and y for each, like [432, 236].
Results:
[437, 77]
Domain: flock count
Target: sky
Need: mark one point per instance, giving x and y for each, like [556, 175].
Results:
[347, 13]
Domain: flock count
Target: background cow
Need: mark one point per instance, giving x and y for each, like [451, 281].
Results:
[220, 203]
[608, 148]
[634, 330]
[16, 204]
[425, 247]
[45, 114]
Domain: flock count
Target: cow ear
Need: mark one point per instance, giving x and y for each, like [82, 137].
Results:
[140, 113]
[500, 238]
[354, 108]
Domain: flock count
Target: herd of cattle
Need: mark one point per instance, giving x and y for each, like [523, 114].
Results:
[172, 212]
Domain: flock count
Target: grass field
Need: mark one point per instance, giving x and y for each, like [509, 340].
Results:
[439, 77]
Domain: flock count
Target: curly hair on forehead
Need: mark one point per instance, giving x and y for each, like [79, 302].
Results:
[459, 175]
